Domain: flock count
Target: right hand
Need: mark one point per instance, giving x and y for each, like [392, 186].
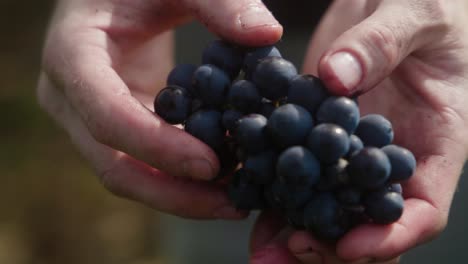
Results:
[104, 62]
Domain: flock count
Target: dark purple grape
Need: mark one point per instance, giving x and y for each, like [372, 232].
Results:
[384, 207]
[230, 118]
[402, 160]
[298, 166]
[307, 91]
[173, 104]
[211, 85]
[206, 125]
[244, 96]
[355, 144]
[261, 167]
[243, 194]
[181, 76]
[253, 57]
[272, 75]
[225, 56]
[251, 133]
[289, 125]
[328, 142]
[369, 168]
[375, 131]
[341, 111]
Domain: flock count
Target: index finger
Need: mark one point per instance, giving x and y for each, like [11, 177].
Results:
[113, 116]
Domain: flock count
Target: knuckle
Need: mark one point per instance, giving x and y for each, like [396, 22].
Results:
[434, 13]
[384, 43]
[438, 227]
[109, 179]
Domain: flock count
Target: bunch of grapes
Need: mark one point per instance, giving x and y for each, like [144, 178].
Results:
[289, 145]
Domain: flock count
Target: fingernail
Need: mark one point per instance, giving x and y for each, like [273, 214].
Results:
[310, 257]
[346, 68]
[229, 212]
[256, 16]
[199, 169]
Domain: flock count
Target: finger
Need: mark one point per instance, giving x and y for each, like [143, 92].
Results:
[246, 22]
[429, 192]
[275, 251]
[417, 224]
[133, 179]
[349, 12]
[367, 53]
[113, 116]
[309, 250]
[266, 227]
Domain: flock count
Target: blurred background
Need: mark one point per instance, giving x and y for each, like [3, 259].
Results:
[52, 208]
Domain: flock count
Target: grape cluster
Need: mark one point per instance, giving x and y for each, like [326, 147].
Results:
[289, 145]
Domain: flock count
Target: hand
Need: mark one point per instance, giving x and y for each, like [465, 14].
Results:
[103, 64]
[409, 60]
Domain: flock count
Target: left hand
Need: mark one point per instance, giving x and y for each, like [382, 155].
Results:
[409, 61]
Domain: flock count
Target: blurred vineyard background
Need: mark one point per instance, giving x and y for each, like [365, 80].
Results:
[52, 208]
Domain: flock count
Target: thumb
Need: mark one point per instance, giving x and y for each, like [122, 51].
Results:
[367, 53]
[246, 22]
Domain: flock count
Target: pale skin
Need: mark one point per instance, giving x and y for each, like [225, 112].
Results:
[105, 60]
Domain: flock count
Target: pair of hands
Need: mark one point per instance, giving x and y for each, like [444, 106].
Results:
[105, 60]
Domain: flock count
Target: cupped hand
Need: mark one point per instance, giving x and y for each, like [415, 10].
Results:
[408, 59]
[104, 62]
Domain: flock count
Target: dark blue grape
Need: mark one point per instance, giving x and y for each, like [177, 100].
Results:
[251, 133]
[272, 77]
[225, 56]
[328, 142]
[261, 167]
[275, 193]
[253, 57]
[244, 194]
[391, 187]
[295, 218]
[384, 207]
[355, 144]
[230, 118]
[402, 160]
[211, 85]
[341, 111]
[266, 108]
[206, 126]
[375, 131]
[297, 165]
[244, 96]
[297, 197]
[173, 104]
[348, 195]
[369, 168]
[395, 187]
[322, 217]
[289, 125]
[181, 76]
[333, 176]
[307, 91]
[227, 158]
